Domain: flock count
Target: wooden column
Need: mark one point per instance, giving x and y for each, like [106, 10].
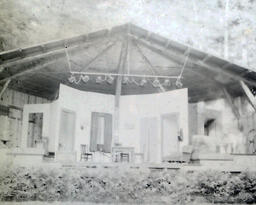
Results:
[121, 68]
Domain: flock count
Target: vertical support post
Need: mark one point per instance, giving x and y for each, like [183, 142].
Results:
[121, 68]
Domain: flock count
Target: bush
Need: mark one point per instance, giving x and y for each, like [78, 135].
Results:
[227, 188]
[131, 186]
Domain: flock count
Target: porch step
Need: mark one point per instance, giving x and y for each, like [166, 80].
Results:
[26, 156]
[66, 156]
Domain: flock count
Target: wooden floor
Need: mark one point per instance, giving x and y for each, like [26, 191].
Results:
[230, 163]
[161, 166]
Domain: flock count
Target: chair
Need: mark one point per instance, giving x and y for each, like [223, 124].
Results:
[85, 155]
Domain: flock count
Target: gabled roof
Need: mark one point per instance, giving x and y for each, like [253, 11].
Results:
[39, 69]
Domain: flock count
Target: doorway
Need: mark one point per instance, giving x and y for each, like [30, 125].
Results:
[35, 129]
[101, 132]
[67, 131]
[170, 131]
[149, 135]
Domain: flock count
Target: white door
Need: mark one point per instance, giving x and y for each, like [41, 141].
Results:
[149, 133]
[67, 131]
[170, 131]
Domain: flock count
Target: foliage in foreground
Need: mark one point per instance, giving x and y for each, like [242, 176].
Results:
[114, 185]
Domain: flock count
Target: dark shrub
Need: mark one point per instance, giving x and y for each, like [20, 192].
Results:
[132, 186]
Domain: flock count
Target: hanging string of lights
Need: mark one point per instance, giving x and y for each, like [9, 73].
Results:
[156, 81]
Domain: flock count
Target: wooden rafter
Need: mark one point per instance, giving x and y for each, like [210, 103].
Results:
[18, 54]
[1, 69]
[51, 58]
[181, 61]
[169, 54]
[4, 87]
[32, 69]
[104, 50]
[230, 101]
[206, 58]
[148, 63]
[250, 97]
[24, 61]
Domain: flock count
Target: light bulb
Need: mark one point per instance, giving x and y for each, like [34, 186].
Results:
[125, 80]
[72, 79]
[99, 79]
[178, 83]
[85, 78]
[156, 83]
[143, 82]
[110, 79]
[167, 82]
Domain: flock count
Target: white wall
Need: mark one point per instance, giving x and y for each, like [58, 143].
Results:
[132, 109]
[135, 107]
[83, 104]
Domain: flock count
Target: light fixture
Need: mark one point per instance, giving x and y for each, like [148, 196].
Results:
[110, 79]
[156, 83]
[167, 83]
[178, 83]
[85, 78]
[99, 79]
[72, 79]
[125, 80]
[143, 82]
